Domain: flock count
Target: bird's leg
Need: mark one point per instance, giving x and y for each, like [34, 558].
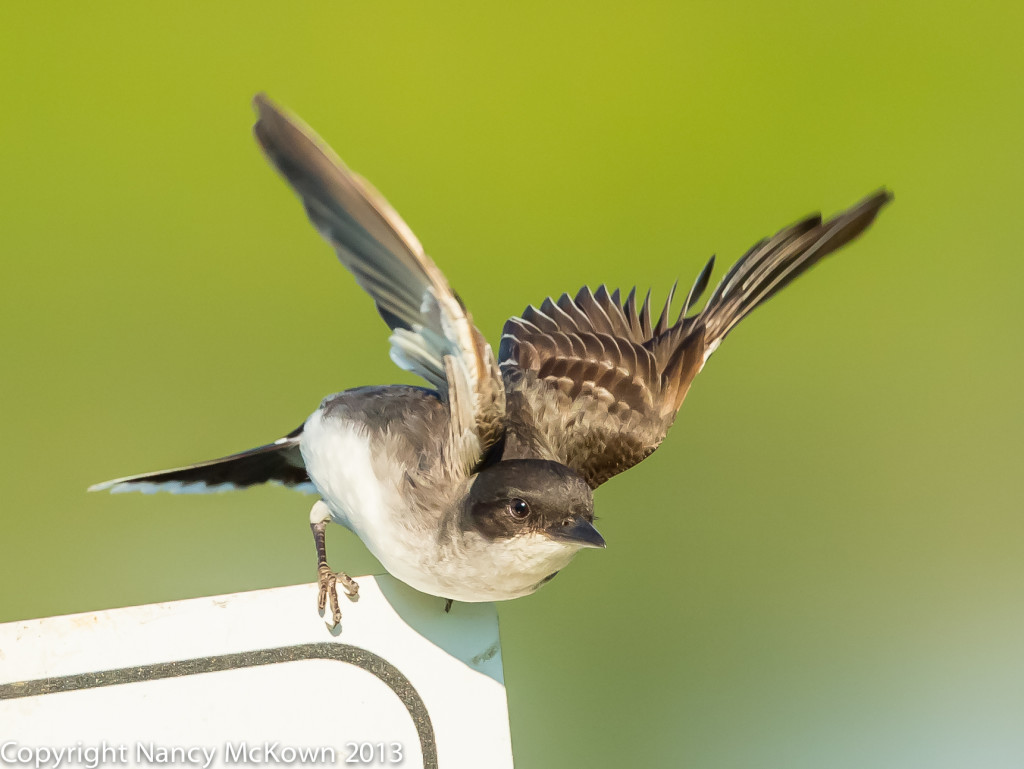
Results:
[448, 605]
[318, 518]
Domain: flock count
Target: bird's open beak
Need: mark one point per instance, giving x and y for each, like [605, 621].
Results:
[579, 531]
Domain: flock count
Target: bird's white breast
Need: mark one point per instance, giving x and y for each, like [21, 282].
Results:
[339, 462]
[361, 490]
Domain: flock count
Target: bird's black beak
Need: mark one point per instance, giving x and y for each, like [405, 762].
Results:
[578, 531]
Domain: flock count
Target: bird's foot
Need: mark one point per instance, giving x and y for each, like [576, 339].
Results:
[329, 580]
[329, 590]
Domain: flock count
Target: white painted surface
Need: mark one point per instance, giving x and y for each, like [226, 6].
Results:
[452, 661]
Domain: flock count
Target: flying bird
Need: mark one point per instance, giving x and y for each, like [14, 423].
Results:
[480, 486]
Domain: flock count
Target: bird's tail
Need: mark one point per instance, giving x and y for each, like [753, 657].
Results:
[771, 265]
[277, 462]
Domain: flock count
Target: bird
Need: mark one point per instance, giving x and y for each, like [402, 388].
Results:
[479, 486]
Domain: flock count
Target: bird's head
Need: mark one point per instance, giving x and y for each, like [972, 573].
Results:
[528, 497]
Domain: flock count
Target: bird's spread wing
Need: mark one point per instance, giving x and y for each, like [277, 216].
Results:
[593, 384]
[584, 386]
[432, 332]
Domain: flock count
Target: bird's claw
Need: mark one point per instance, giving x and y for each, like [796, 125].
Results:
[329, 590]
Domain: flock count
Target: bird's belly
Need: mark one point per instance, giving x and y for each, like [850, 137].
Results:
[361, 490]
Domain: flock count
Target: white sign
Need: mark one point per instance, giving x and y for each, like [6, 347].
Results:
[257, 679]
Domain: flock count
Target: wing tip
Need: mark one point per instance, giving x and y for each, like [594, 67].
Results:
[270, 119]
[261, 101]
[876, 201]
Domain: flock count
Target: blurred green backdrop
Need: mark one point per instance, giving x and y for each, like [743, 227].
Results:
[822, 566]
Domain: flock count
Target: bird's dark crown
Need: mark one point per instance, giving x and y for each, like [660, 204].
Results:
[519, 496]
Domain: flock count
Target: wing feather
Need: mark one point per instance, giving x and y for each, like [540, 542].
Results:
[591, 383]
[429, 323]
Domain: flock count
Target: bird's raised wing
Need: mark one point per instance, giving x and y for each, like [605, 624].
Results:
[432, 332]
[591, 383]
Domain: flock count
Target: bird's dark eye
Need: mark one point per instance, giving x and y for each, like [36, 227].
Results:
[518, 508]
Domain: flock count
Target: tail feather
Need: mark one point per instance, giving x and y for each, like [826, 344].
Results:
[278, 462]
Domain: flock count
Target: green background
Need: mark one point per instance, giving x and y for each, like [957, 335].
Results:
[823, 564]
